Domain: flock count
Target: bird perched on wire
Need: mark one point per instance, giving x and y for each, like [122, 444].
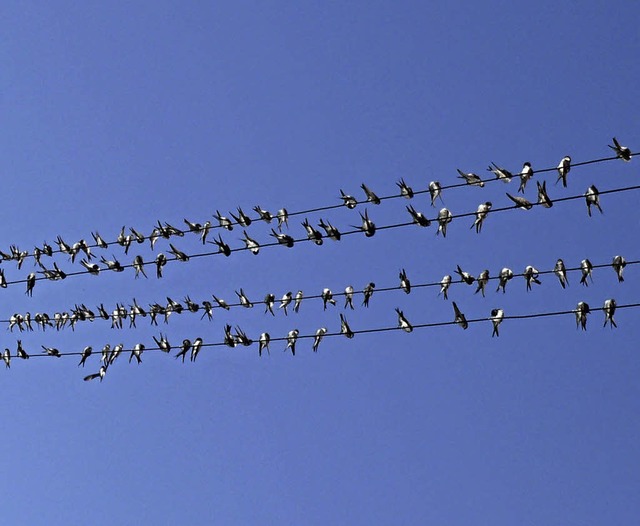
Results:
[581, 314]
[263, 343]
[531, 275]
[223, 222]
[405, 190]
[292, 337]
[368, 292]
[297, 301]
[470, 178]
[348, 200]
[403, 323]
[525, 174]
[31, 282]
[586, 268]
[506, 274]
[418, 217]
[264, 215]
[331, 231]
[435, 191]
[543, 197]
[348, 296]
[285, 301]
[592, 198]
[563, 170]
[609, 309]
[368, 226]
[312, 233]
[482, 281]
[242, 219]
[520, 202]
[283, 218]
[318, 338]
[405, 283]
[501, 173]
[618, 265]
[465, 277]
[445, 283]
[371, 196]
[561, 271]
[283, 239]
[460, 318]
[622, 152]
[251, 244]
[184, 349]
[327, 297]
[344, 327]
[444, 218]
[481, 215]
[497, 315]
[223, 248]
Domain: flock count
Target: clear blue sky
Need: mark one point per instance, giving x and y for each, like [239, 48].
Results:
[127, 113]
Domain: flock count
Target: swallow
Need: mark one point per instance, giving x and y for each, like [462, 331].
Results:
[609, 309]
[520, 202]
[586, 267]
[497, 315]
[465, 276]
[138, 236]
[505, 275]
[104, 358]
[31, 282]
[500, 173]
[100, 374]
[331, 231]
[525, 175]
[92, 268]
[298, 301]
[223, 222]
[242, 219]
[98, 240]
[284, 302]
[269, 301]
[371, 196]
[62, 246]
[250, 244]
[418, 217]
[37, 253]
[482, 280]
[327, 297]
[445, 283]
[161, 261]
[563, 170]
[283, 218]
[561, 271]
[16, 319]
[162, 343]
[444, 218]
[204, 231]
[405, 190]
[3, 280]
[592, 197]
[51, 351]
[581, 315]
[348, 297]
[179, 255]
[318, 338]
[102, 312]
[20, 352]
[114, 264]
[263, 343]
[459, 316]
[435, 191]
[242, 338]
[403, 323]
[137, 351]
[622, 152]
[208, 310]
[173, 306]
[263, 214]
[368, 226]
[283, 239]
[405, 283]
[229, 340]
[153, 237]
[221, 303]
[618, 265]
[86, 352]
[6, 357]
[531, 275]
[184, 349]
[543, 197]
[348, 200]
[244, 301]
[122, 239]
[368, 292]
[312, 233]
[470, 178]
[344, 327]
[138, 266]
[291, 341]
[481, 215]
[115, 352]
[223, 248]
[193, 227]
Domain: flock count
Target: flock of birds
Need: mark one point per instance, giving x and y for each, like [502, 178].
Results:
[84, 253]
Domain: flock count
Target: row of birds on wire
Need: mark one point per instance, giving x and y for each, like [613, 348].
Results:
[236, 337]
[167, 231]
[134, 311]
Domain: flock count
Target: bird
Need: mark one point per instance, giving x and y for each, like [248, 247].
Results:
[418, 217]
[242, 338]
[470, 178]
[3, 280]
[161, 261]
[481, 215]
[244, 300]
[221, 303]
[51, 351]
[543, 197]
[162, 343]
[465, 276]
[204, 231]
[242, 219]
[100, 374]
[283, 239]
[405, 190]
[592, 197]
[104, 358]
[31, 282]
[312, 233]
[327, 297]
[609, 309]
[520, 202]
[269, 301]
[581, 314]
[505, 275]
[184, 349]
[525, 175]
[196, 346]
[459, 316]
[20, 352]
[265, 215]
[348, 200]
[331, 231]
[284, 302]
[292, 337]
[348, 296]
[98, 240]
[497, 315]
[86, 352]
[193, 227]
[223, 248]
[138, 266]
[622, 152]
[435, 191]
[531, 275]
[113, 264]
[208, 310]
[115, 352]
[500, 173]
[251, 244]
[318, 338]
[297, 301]
[223, 222]
[618, 265]
[283, 218]
[563, 170]
[263, 343]
[180, 256]
[444, 218]
[561, 271]
[229, 339]
[138, 348]
[371, 196]
[139, 237]
[368, 226]
[6, 357]
[586, 267]
[445, 283]
[344, 327]
[368, 292]
[482, 281]
[405, 283]
[403, 323]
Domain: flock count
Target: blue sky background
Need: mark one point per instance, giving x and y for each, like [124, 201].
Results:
[127, 114]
